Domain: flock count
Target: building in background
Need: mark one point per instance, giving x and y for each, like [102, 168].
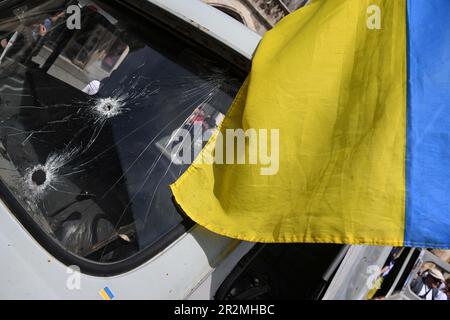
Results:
[258, 15]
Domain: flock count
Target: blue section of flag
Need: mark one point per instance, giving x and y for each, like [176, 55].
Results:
[428, 124]
[109, 292]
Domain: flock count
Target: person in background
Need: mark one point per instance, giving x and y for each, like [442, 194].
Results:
[427, 286]
[390, 262]
[41, 29]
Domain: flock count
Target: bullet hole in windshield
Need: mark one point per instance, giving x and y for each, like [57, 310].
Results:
[39, 177]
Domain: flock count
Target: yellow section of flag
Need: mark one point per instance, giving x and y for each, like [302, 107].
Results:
[336, 91]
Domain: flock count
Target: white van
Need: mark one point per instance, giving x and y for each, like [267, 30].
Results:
[86, 120]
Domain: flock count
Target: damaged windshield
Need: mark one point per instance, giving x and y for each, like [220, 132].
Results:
[86, 120]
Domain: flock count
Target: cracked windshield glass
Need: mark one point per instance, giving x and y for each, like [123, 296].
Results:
[87, 120]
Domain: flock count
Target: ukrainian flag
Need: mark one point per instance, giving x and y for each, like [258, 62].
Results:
[363, 112]
[106, 293]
